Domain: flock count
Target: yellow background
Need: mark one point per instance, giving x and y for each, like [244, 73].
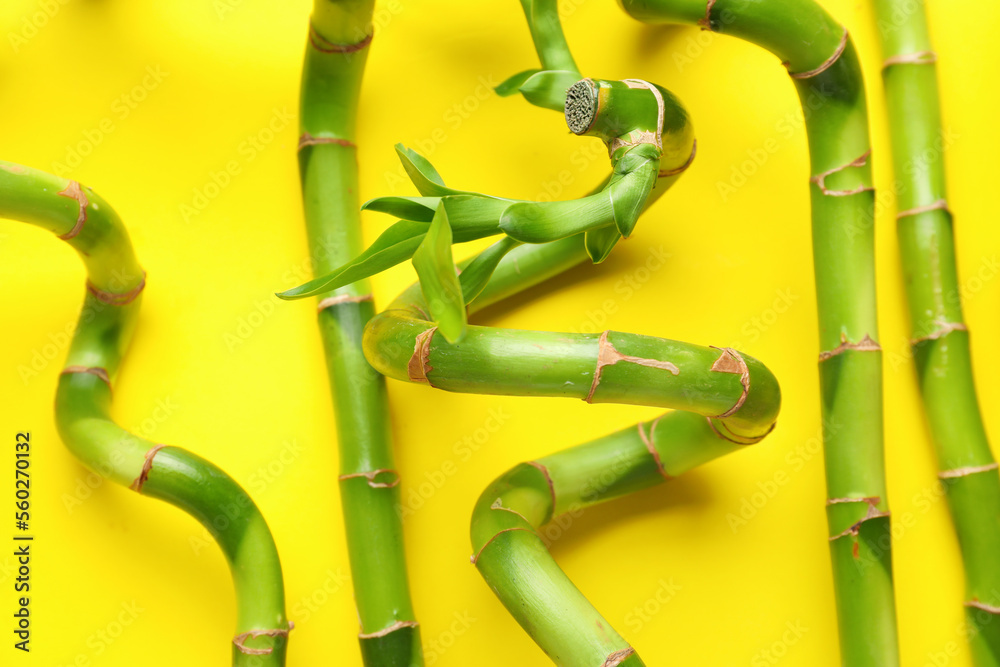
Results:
[219, 366]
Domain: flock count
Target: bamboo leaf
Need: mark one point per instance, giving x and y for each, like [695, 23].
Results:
[439, 280]
[541, 222]
[477, 273]
[513, 84]
[474, 216]
[420, 209]
[600, 242]
[395, 245]
[548, 88]
[619, 204]
[629, 194]
[423, 175]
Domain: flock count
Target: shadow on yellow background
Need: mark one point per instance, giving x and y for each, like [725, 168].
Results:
[183, 115]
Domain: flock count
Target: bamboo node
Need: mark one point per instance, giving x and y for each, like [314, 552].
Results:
[309, 140]
[640, 83]
[944, 328]
[648, 441]
[873, 513]
[323, 45]
[706, 22]
[116, 299]
[97, 372]
[982, 606]
[420, 361]
[826, 64]
[498, 505]
[331, 301]
[730, 361]
[475, 557]
[618, 657]
[735, 438]
[548, 480]
[608, 355]
[372, 474]
[967, 470]
[866, 344]
[398, 625]
[939, 204]
[918, 58]
[871, 500]
[147, 465]
[634, 138]
[74, 191]
[240, 640]
[820, 178]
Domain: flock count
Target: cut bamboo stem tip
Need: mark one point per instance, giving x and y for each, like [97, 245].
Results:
[581, 106]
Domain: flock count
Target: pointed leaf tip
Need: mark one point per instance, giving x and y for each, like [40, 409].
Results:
[395, 245]
[438, 279]
[477, 273]
[512, 84]
[600, 242]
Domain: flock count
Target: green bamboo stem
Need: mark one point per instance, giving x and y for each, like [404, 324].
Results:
[339, 36]
[730, 401]
[824, 67]
[547, 35]
[650, 142]
[83, 402]
[940, 342]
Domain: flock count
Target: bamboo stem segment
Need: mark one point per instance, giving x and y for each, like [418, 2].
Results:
[823, 65]
[940, 341]
[340, 35]
[83, 405]
[725, 400]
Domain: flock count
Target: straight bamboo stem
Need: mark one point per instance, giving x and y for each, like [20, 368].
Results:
[940, 343]
[340, 32]
[823, 65]
[115, 282]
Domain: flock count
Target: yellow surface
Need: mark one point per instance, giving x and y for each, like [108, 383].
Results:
[222, 368]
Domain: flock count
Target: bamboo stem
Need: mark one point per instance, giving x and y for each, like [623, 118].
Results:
[940, 342]
[650, 142]
[83, 403]
[823, 65]
[731, 401]
[339, 37]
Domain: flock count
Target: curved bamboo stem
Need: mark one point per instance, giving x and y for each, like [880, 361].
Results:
[823, 65]
[729, 400]
[83, 402]
[940, 341]
[650, 142]
[340, 33]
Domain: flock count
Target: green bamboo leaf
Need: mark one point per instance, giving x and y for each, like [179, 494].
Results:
[423, 175]
[600, 242]
[477, 273]
[619, 204]
[474, 216]
[629, 194]
[439, 280]
[541, 222]
[420, 209]
[512, 84]
[395, 245]
[548, 88]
